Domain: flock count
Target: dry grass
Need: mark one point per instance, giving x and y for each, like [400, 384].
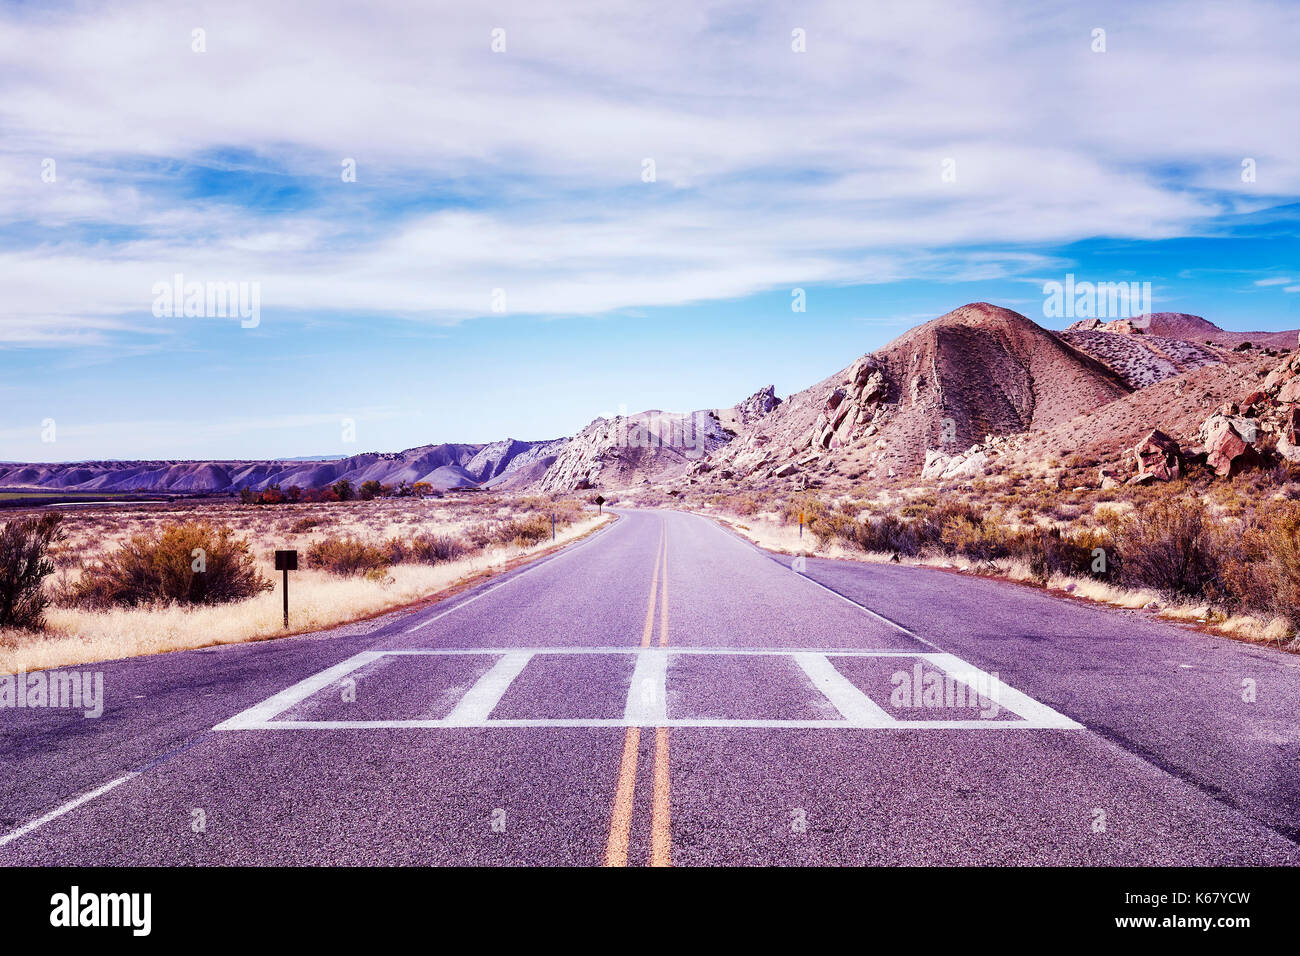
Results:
[318, 598]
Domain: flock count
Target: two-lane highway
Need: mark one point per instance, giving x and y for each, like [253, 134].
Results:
[664, 693]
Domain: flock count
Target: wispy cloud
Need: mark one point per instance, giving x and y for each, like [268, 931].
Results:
[523, 170]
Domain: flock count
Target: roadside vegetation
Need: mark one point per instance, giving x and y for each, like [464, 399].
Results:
[118, 581]
[1220, 553]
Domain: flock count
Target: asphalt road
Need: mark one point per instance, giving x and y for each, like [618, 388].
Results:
[665, 693]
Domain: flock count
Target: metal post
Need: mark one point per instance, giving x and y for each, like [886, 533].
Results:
[552, 525]
[286, 597]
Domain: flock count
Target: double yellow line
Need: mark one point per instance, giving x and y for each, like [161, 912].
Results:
[620, 824]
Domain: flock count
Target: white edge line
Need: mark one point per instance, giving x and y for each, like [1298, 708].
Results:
[542, 562]
[65, 808]
[861, 607]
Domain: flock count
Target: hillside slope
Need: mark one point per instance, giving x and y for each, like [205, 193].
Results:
[949, 383]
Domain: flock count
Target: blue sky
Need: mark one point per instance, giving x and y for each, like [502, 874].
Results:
[525, 171]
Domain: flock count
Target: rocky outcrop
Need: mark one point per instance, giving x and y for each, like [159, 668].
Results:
[852, 407]
[1227, 438]
[1159, 456]
[972, 463]
[628, 449]
[757, 405]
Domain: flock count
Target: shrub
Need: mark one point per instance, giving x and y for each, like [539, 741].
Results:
[24, 566]
[190, 563]
[1259, 563]
[1167, 545]
[347, 556]
[437, 548]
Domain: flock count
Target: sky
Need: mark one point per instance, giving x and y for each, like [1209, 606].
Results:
[466, 222]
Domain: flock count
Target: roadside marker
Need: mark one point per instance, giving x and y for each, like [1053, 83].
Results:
[286, 561]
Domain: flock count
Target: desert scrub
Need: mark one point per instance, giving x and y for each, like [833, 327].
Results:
[1168, 544]
[348, 556]
[188, 563]
[24, 565]
[436, 548]
[1259, 563]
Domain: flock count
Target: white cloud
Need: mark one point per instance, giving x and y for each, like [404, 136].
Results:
[774, 168]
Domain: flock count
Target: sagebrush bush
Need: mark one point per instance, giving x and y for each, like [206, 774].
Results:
[1259, 563]
[189, 563]
[348, 556]
[1167, 544]
[24, 565]
[437, 548]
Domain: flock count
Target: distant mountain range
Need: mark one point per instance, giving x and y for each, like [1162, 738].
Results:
[911, 406]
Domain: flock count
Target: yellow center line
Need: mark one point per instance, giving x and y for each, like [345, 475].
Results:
[620, 823]
[647, 632]
[661, 837]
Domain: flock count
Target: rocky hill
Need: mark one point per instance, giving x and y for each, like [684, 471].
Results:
[633, 449]
[951, 382]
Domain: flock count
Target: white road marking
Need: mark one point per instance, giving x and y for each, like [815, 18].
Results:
[272, 707]
[647, 701]
[861, 607]
[617, 722]
[856, 707]
[647, 697]
[1013, 700]
[65, 808]
[475, 706]
[567, 549]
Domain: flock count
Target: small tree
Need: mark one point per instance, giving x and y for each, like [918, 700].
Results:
[370, 490]
[24, 565]
[343, 488]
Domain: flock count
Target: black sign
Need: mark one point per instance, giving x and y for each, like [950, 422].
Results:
[286, 560]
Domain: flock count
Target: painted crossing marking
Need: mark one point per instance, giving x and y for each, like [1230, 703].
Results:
[855, 707]
[487, 692]
[647, 694]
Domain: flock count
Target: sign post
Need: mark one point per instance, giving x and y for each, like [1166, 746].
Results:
[286, 561]
[552, 525]
[801, 524]
[600, 504]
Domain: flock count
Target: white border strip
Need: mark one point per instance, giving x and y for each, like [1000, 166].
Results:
[57, 812]
[856, 707]
[259, 715]
[647, 694]
[685, 722]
